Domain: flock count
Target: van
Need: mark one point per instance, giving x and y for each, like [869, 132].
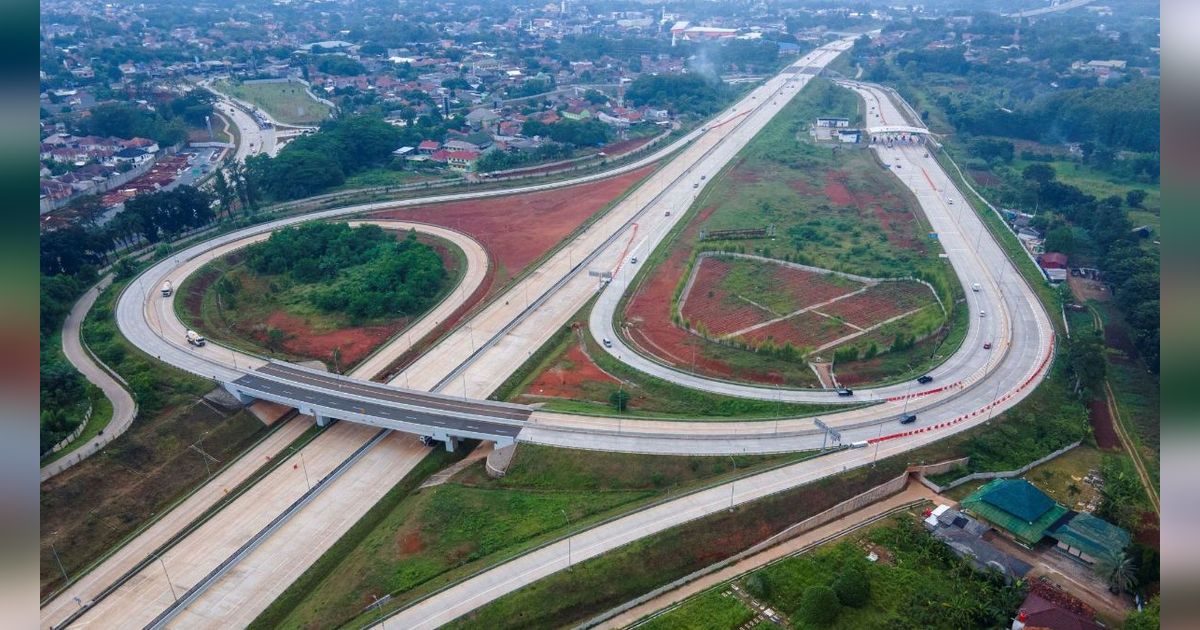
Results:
[909, 419]
[607, 342]
[976, 288]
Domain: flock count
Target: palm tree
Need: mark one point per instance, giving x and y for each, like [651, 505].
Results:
[1117, 568]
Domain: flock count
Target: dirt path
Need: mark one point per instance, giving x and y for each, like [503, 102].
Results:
[1129, 446]
[1114, 413]
[839, 527]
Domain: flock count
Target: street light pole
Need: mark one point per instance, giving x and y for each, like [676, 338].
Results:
[568, 520]
[58, 560]
[168, 576]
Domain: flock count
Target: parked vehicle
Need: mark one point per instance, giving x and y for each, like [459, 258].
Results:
[167, 288]
[925, 378]
[195, 338]
[845, 391]
[909, 419]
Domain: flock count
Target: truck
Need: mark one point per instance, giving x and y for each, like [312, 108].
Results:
[859, 444]
[166, 289]
[194, 338]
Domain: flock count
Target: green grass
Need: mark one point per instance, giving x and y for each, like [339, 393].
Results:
[600, 583]
[240, 320]
[102, 411]
[784, 179]
[416, 542]
[1100, 184]
[107, 496]
[926, 585]
[650, 397]
[287, 102]
[377, 177]
[716, 609]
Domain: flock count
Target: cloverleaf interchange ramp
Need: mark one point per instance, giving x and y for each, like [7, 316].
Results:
[510, 328]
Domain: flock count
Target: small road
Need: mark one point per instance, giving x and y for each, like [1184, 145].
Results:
[124, 407]
[1053, 8]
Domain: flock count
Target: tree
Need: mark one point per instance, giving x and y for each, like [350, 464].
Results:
[1135, 197]
[225, 193]
[853, 588]
[819, 605]
[759, 585]
[1040, 173]
[619, 399]
[275, 338]
[1085, 363]
[1118, 570]
[1145, 619]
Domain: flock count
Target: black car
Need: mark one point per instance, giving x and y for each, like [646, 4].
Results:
[909, 419]
[845, 391]
[924, 379]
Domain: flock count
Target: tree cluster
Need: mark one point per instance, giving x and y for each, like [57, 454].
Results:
[577, 133]
[681, 94]
[311, 164]
[363, 272]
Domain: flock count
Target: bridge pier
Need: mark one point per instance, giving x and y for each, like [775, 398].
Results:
[451, 443]
[322, 420]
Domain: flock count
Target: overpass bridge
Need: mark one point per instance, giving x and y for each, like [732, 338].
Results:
[324, 396]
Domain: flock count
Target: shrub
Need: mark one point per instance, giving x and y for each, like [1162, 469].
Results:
[759, 586]
[853, 588]
[820, 605]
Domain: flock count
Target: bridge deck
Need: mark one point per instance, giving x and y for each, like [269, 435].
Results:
[352, 407]
[432, 402]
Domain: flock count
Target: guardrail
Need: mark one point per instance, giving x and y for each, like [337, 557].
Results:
[221, 569]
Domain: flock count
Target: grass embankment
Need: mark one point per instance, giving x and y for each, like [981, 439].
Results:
[831, 207]
[98, 502]
[89, 396]
[286, 101]
[649, 397]
[713, 609]
[598, 584]
[917, 583]
[416, 542]
[1044, 422]
[274, 314]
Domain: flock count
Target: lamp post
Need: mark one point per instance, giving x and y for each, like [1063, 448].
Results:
[168, 576]
[568, 520]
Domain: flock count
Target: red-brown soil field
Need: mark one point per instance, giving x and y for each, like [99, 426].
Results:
[565, 378]
[518, 229]
[880, 303]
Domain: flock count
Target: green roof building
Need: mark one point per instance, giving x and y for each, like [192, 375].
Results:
[1089, 538]
[1016, 507]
